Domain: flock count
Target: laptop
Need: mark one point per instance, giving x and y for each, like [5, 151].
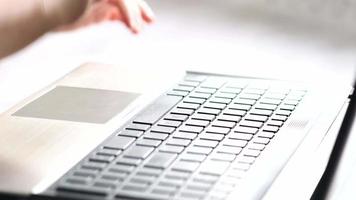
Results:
[97, 134]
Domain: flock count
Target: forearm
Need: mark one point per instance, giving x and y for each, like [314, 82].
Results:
[23, 21]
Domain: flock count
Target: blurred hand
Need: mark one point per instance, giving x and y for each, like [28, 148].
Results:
[133, 13]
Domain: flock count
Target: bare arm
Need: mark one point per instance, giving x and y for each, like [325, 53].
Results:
[23, 21]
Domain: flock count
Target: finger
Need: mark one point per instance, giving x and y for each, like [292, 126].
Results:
[146, 12]
[130, 12]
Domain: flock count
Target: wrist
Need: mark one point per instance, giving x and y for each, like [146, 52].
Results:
[61, 12]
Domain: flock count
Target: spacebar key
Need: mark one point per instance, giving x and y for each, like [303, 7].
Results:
[157, 109]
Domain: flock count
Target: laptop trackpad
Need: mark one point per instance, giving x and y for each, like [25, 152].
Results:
[78, 104]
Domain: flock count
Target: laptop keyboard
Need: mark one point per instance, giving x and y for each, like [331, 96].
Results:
[197, 141]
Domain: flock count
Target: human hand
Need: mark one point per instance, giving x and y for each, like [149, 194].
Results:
[133, 13]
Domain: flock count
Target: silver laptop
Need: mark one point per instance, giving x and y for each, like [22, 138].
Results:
[106, 132]
[208, 136]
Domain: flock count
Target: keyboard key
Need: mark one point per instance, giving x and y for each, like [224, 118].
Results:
[183, 88]
[182, 111]
[287, 107]
[235, 143]
[171, 149]
[155, 136]
[194, 122]
[270, 101]
[206, 90]
[257, 118]
[263, 106]
[212, 136]
[254, 124]
[148, 142]
[84, 190]
[242, 166]
[118, 142]
[177, 93]
[193, 157]
[256, 146]
[214, 167]
[217, 130]
[101, 158]
[199, 150]
[219, 106]
[282, 118]
[191, 129]
[229, 149]
[157, 109]
[264, 134]
[229, 118]
[138, 127]
[134, 187]
[108, 152]
[193, 100]
[161, 160]
[209, 111]
[235, 106]
[236, 84]
[254, 91]
[247, 159]
[169, 123]
[129, 161]
[140, 152]
[245, 101]
[275, 123]
[203, 117]
[206, 143]
[249, 96]
[260, 140]
[131, 133]
[185, 166]
[240, 113]
[223, 124]
[93, 166]
[241, 136]
[278, 96]
[273, 129]
[261, 112]
[177, 176]
[249, 130]
[225, 95]
[252, 153]
[223, 157]
[219, 100]
[192, 106]
[185, 135]
[149, 172]
[120, 168]
[205, 178]
[291, 102]
[230, 90]
[199, 95]
[178, 142]
[175, 117]
[162, 129]
[283, 113]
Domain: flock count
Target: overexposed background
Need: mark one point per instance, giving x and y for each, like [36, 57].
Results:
[258, 38]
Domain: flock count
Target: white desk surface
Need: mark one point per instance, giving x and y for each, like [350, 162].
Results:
[185, 35]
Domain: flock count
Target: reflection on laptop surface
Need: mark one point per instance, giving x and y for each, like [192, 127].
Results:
[206, 137]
